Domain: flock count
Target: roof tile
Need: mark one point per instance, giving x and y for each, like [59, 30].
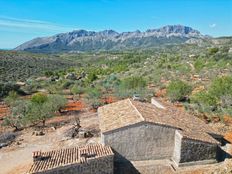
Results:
[128, 112]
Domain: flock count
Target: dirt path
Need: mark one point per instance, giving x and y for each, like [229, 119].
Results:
[17, 158]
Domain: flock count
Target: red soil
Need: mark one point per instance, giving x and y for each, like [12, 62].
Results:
[74, 106]
[4, 110]
[228, 136]
[109, 99]
[161, 93]
[228, 119]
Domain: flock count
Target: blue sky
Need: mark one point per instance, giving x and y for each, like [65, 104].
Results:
[22, 20]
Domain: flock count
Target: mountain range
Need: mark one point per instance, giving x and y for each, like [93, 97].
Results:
[82, 40]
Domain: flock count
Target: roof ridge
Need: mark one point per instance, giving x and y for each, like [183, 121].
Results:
[141, 116]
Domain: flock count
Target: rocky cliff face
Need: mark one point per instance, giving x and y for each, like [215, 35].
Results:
[82, 40]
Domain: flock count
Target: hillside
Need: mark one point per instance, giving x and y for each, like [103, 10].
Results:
[82, 40]
[15, 66]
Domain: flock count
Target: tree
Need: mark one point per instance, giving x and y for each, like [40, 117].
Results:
[11, 98]
[39, 108]
[93, 97]
[92, 76]
[56, 102]
[76, 90]
[178, 90]
[17, 116]
[110, 82]
[43, 107]
[132, 85]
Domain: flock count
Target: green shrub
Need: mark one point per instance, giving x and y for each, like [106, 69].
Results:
[178, 90]
[93, 97]
[130, 86]
[221, 86]
[10, 99]
[217, 98]
[205, 101]
[133, 83]
[5, 88]
[213, 50]
[39, 98]
[199, 64]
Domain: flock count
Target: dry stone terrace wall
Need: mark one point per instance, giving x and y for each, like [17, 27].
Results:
[142, 141]
[103, 165]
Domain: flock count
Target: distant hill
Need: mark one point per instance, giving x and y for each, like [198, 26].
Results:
[82, 40]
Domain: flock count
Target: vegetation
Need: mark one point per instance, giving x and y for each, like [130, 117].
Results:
[20, 66]
[218, 97]
[29, 112]
[95, 76]
[93, 97]
[131, 86]
[178, 90]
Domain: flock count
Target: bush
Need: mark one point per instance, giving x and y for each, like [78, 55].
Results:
[178, 90]
[132, 85]
[5, 88]
[77, 90]
[110, 82]
[213, 50]
[12, 96]
[217, 98]
[199, 64]
[39, 98]
[93, 97]
[205, 101]
[221, 86]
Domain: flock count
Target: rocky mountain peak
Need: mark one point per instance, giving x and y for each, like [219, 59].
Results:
[82, 40]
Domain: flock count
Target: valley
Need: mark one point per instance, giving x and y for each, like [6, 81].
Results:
[50, 91]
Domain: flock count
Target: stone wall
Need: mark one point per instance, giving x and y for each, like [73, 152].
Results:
[192, 150]
[102, 165]
[142, 141]
[188, 150]
[177, 149]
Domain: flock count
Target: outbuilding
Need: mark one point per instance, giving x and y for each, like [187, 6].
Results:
[138, 131]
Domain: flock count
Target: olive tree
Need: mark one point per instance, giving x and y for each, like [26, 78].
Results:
[17, 118]
[43, 107]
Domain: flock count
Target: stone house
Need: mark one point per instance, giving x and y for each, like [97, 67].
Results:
[138, 131]
[89, 159]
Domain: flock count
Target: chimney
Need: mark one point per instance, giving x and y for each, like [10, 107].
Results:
[37, 156]
[156, 103]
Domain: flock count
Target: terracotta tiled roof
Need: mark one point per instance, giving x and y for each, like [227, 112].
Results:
[64, 157]
[128, 112]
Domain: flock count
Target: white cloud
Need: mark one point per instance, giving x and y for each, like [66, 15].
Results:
[212, 25]
[16, 23]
